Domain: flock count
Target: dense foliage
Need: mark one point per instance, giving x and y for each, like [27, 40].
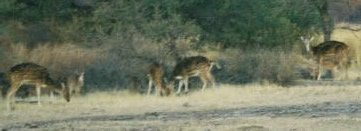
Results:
[231, 23]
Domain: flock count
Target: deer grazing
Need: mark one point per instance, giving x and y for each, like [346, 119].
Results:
[191, 67]
[32, 74]
[155, 75]
[76, 83]
[330, 55]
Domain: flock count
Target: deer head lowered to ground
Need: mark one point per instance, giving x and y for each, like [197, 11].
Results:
[30, 73]
[155, 76]
[192, 66]
[75, 83]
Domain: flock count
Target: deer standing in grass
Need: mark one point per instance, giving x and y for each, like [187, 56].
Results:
[76, 83]
[192, 67]
[155, 76]
[329, 55]
[33, 74]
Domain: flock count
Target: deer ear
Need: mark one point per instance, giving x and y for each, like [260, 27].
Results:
[302, 38]
[311, 38]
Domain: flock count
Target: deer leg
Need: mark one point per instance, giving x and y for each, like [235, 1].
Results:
[319, 69]
[10, 95]
[319, 73]
[186, 85]
[52, 95]
[344, 62]
[157, 90]
[38, 93]
[179, 86]
[204, 81]
[211, 79]
[149, 87]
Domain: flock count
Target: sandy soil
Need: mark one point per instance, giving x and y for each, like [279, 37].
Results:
[242, 108]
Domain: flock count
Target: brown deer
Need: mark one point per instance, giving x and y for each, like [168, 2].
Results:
[191, 67]
[76, 83]
[330, 55]
[33, 74]
[155, 75]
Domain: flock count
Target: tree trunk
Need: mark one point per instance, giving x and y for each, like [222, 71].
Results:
[326, 20]
[322, 7]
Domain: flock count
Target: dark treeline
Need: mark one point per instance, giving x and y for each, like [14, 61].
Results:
[229, 23]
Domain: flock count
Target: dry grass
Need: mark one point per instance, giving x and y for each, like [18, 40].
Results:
[58, 57]
[227, 97]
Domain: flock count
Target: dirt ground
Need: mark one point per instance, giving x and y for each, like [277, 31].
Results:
[228, 108]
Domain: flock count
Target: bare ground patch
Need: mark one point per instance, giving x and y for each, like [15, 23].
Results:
[311, 111]
[251, 108]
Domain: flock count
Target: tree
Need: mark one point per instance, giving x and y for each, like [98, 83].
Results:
[327, 24]
[251, 23]
[157, 21]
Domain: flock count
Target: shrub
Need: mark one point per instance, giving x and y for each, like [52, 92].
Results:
[275, 66]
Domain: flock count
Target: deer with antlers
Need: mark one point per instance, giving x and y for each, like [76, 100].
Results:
[33, 74]
[330, 55]
[192, 67]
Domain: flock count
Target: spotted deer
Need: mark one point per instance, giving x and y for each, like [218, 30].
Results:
[76, 83]
[329, 55]
[155, 76]
[192, 67]
[32, 74]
